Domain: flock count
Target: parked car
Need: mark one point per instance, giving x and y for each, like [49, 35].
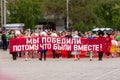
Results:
[102, 29]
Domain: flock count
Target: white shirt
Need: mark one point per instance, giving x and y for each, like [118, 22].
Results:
[114, 42]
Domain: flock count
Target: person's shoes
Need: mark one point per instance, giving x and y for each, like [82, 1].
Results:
[26, 59]
[60, 58]
[40, 59]
[108, 56]
[14, 59]
[33, 57]
[29, 58]
[75, 60]
[100, 59]
[90, 59]
[4, 49]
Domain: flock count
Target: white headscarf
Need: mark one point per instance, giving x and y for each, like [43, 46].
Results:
[17, 33]
[54, 34]
[43, 33]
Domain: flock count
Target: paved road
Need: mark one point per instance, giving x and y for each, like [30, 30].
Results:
[66, 69]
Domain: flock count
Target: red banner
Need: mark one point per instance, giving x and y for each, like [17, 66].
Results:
[57, 43]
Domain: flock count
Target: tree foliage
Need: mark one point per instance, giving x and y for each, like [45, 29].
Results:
[83, 14]
[25, 11]
[54, 7]
[108, 12]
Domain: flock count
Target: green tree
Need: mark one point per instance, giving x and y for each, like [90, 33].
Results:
[108, 12]
[54, 7]
[25, 11]
[81, 12]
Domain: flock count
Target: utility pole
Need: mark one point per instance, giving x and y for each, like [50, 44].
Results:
[1, 13]
[4, 13]
[67, 23]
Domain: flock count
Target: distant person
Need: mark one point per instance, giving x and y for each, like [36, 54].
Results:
[69, 35]
[108, 44]
[27, 53]
[43, 50]
[0, 40]
[113, 48]
[100, 38]
[14, 54]
[54, 34]
[4, 41]
[76, 53]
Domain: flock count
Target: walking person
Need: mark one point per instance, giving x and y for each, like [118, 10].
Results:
[14, 54]
[101, 39]
[76, 53]
[108, 44]
[54, 34]
[43, 50]
[4, 41]
[59, 52]
[69, 36]
[27, 53]
[89, 36]
[113, 48]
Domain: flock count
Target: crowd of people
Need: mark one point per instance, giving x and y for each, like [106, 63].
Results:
[112, 42]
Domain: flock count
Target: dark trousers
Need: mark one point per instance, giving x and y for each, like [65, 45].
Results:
[100, 55]
[53, 52]
[108, 54]
[41, 54]
[4, 45]
[14, 55]
[58, 55]
[19, 54]
[69, 54]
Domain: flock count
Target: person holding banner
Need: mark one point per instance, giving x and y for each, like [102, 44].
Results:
[54, 34]
[118, 40]
[14, 54]
[69, 35]
[27, 53]
[101, 40]
[33, 35]
[18, 35]
[108, 44]
[59, 52]
[113, 48]
[43, 50]
[90, 36]
[76, 53]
